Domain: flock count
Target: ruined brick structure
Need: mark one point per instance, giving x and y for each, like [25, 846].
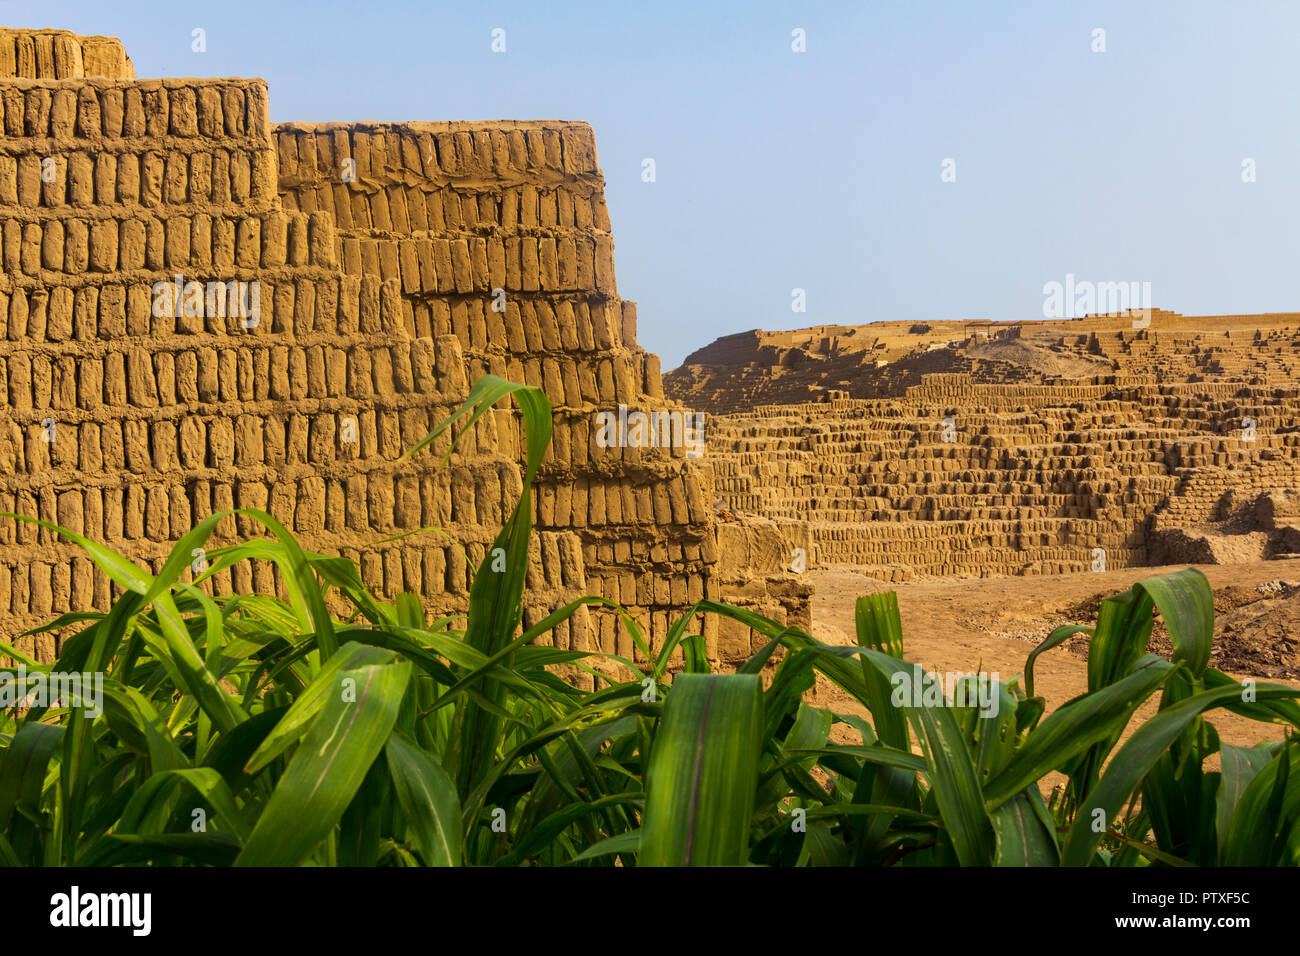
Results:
[1002, 448]
[379, 252]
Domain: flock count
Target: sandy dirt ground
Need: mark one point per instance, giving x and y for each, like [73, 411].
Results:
[991, 625]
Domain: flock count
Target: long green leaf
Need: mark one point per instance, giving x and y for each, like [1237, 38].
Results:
[329, 765]
[1136, 758]
[313, 699]
[1073, 728]
[703, 771]
[429, 801]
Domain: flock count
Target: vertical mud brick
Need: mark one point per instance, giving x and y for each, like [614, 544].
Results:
[295, 438]
[605, 317]
[461, 267]
[176, 178]
[8, 180]
[250, 495]
[42, 387]
[113, 446]
[157, 110]
[36, 120]
[192, 448]
[103, 245]
[264, 173]
[200, 177]
[548, 211]
[380, 215]
[156, 514]
[184, 116]
[131, 244]
[105, 179]
[549, 278]
[90, 383]
[266, 578]
[579, 503]
[248, 243]
[281, 502]
[248, 442]
[208, 119]
[583, 327]
[142, 389]
[128, 178]
[388, 435]
[298, 243]
[51, 245]
[13, 111]
[80, 584]
[586, 262]
[320, 227]
[37, 315]
[275, 441]
[133, 513]
[80, 170]
[316, 384]
[221, 177]
[179, 516]
[154, 244]
[152, 170]
[177, 242]
[41, 600]
[514, 280]
[223, 243]
[200, 244]
[65, 385]
[310, 506]
[51, 317]
[20, 382]
[135, 441]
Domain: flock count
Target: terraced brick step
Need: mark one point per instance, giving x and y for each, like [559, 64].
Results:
[957, 476]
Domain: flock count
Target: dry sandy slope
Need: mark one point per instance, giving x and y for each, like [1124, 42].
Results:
[991, 624]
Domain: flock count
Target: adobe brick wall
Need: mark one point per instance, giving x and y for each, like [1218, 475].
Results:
[376, 315]
[1044, 462]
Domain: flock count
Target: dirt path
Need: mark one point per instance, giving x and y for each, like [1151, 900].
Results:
[991, 625]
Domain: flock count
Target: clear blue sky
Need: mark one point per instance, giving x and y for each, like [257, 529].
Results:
[821, 170]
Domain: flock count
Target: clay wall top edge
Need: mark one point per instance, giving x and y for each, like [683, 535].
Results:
[55, 31]
[430, 126]
[108, 83]
[1161, 318]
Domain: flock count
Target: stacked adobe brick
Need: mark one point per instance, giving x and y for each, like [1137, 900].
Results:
[957, 475]
[128, 422]
[499, 236]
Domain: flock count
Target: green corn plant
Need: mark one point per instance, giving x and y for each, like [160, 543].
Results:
[262, 729]
[703, 773]
[251, 730]
[972, 795]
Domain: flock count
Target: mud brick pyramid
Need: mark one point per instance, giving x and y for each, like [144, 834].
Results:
[985, 448]
[377, 249]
